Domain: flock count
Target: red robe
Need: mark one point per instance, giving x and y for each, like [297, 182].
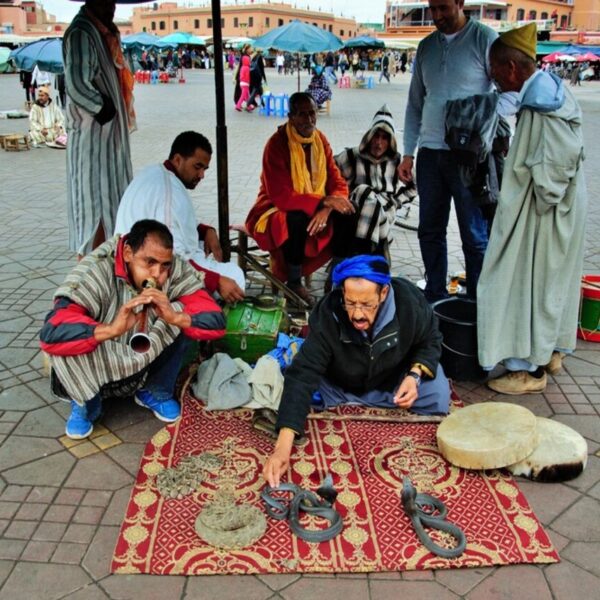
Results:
[276, 190]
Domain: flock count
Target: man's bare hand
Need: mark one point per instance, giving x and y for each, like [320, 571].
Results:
[407, 393]
[405, 169]
[229, 290]
[164, 310]
[125, 320]
[212, 245]
[275, 467]
[341, 205]
[319, 221]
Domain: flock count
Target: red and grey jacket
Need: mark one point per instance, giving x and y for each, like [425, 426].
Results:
[69, 327]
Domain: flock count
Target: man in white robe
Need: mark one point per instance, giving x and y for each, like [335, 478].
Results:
[160, 192]
[528, 292]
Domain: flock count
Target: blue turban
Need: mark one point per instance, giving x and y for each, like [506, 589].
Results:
[365, 266]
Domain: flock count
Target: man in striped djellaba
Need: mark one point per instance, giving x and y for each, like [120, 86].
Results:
[100, 116]
[129, 283]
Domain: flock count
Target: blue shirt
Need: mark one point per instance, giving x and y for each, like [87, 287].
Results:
[445, 71]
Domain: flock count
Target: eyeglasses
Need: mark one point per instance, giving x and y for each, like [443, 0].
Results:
[354, 306]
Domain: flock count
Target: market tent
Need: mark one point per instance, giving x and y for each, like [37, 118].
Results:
[140, 40]
[46, 54]
[545, 48]
[5, 66]
[587, 57]
[364, 41]
[566, 58]
[237, 43]
[552, 58]
[181, 39]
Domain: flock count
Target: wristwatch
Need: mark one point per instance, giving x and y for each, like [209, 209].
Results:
[415, 376]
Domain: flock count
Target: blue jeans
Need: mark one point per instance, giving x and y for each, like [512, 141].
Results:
[330, 74]
[163, 372]
[438, 181]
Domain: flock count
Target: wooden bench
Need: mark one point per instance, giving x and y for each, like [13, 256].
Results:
[15, 142]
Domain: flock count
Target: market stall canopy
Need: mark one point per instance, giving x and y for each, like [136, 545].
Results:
[298, 37]
[587, 57]
[46, 54]
[5, 66]
[401, 43]
[566, 58]
[364, 41]
[181, 39]
[140, 40]
[237, 43]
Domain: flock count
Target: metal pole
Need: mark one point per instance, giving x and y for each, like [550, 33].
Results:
[221, 130]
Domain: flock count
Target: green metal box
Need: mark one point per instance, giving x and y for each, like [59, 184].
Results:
[253, 326]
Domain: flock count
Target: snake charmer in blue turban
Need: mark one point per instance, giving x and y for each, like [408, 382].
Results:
[366, 266]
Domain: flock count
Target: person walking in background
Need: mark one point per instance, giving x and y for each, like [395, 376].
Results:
[100, 115]
[25, 79]
[385, 67]
[451, 63]
[244, 84]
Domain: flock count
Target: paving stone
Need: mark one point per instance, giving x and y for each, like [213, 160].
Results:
[5, 569]
[128, 456]
[519, 581]
[548, 500]
[385, 576]
[560, 541]
[50, 532]
[16, 493]
[70, 496]
[20, 530]
[90, 515]
[595, 491]
[277, 582]
[38, 551]
[31, 511]
[13, 357]
[98, 472]
[43, 581]
[59, 513]
[8, 509]
[97, 498]
[580, 522]
[227, 587]
[89, 592]
[11, 416]
[69, 553]
[588, 428]
[43, 422]
[125, 587]
[141, 432]
[18, 450]
[349, 589]
[80, 534]
[4, 523]
[45, 471]
[99, 555]
[422, 590]
[42, 494]
[462, 581]
[11, 549]
[116, 509]
[567, 581]
[590, 475]
[585, 555]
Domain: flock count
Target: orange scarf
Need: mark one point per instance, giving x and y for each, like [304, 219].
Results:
[112, 39]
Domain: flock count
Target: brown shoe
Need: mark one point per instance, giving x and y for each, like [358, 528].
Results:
[303, 293]
[516, 383]
[555, 365]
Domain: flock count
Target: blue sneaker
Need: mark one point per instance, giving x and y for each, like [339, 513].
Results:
[94, 408]
[166, 410]
[79, 425]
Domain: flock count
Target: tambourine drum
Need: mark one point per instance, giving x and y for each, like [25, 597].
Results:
[490, 435]
[560, 455]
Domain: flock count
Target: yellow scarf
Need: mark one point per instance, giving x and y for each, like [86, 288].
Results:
[304, 182]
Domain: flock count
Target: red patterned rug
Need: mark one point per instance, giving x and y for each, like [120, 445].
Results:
[367, 458]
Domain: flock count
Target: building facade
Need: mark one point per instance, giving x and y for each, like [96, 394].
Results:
[237, 20]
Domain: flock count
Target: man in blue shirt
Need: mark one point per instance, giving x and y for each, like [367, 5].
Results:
[451, 63]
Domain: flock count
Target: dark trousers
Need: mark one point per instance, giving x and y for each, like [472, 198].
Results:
[341, 243]
[438, 181]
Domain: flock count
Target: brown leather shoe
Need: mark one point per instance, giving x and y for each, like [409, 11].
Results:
[515, 383]
[303, 293]
[555, 365]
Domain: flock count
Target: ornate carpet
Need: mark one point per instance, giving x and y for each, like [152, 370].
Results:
[367, 460]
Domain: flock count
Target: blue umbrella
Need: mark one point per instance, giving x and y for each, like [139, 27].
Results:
[46, 54]
[299, 37]
[364, 41]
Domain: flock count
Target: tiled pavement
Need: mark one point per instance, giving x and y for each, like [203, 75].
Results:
[60, 507]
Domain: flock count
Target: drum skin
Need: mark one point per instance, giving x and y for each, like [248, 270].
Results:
[490, 435]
